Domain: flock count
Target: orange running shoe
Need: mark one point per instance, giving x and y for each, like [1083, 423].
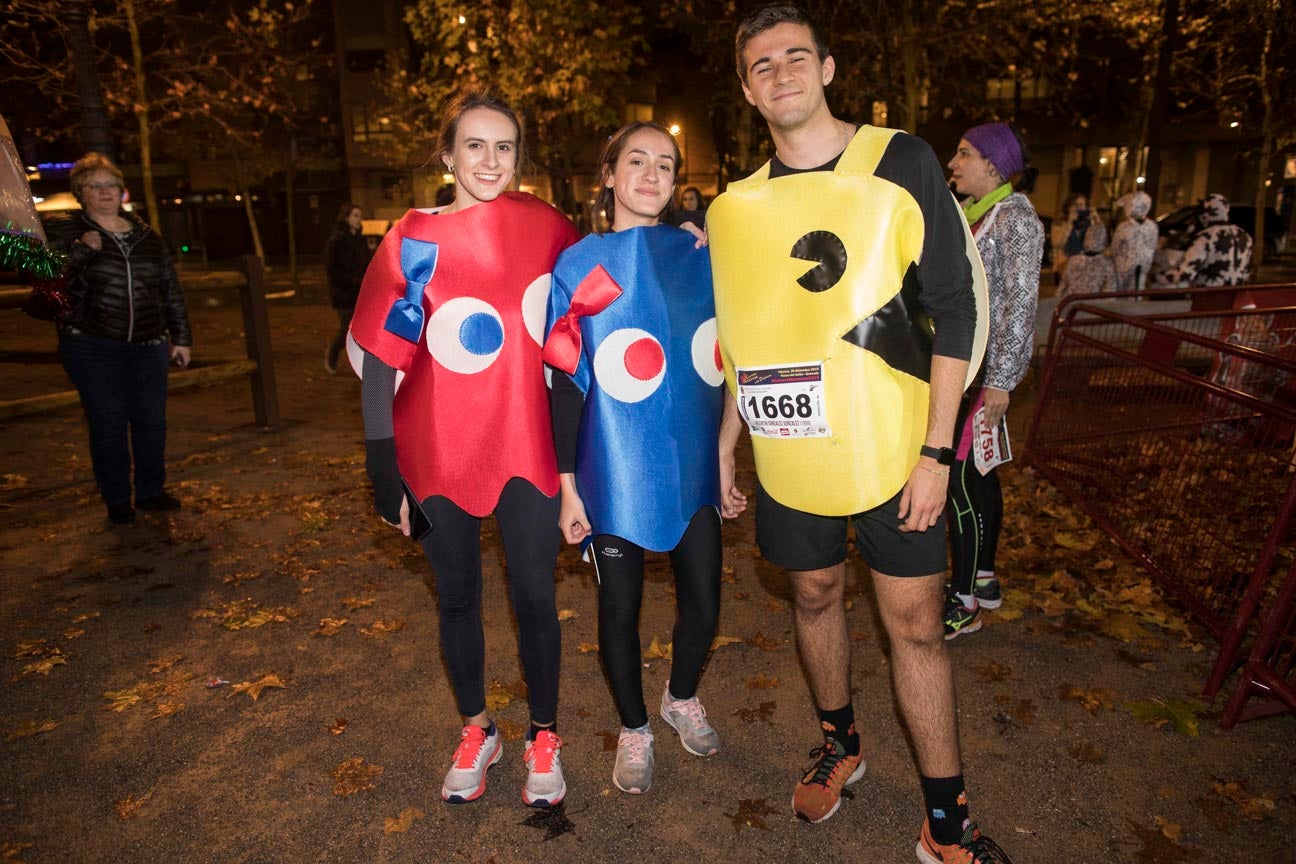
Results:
[818, 794]
[974, 848]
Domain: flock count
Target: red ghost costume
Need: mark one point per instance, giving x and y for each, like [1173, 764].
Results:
[457, 301]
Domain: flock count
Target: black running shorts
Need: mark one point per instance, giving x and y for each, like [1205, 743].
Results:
[796, 540]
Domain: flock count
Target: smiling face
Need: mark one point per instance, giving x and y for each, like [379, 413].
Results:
[785, 78]
[643, 179]
[484, 156]
[972, 173]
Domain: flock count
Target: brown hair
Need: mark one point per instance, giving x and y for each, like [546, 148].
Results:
[768, 17]
[466, 100]
[605, 206]
[87, 165]
[344, 212]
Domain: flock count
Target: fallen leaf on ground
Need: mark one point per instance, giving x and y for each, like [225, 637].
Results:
[587, 647]
[509, 730]
[1125, 627]
[166, 709]
[164, 664]
[1091, 700]
[9, 852]
[498, 697]
[383, 628]
[655, 651]
[330, 626]
[721, 641]
[43, 667]
[120, 700]
[31, 727]
[567, 614]
[1255, 807]
[1024, 712]
[727, 574]
[237, 579]
[85, 616]
[751, 813]
[129, 807]
[765, 711]
[1171, 830]
[610, 740]
[254, 688]
[355, 603]
[775, 606]
[765, 643]
[244, 615]
[354, 776]
[69, 634]
[1179, 715]
[339, 726]
[402, 823]
[1071, 540]
[762, 682]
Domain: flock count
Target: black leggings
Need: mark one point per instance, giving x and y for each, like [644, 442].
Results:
[620, 566]
[976, 512]
[528, 527]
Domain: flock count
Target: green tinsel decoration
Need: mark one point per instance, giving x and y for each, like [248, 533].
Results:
[23, 251]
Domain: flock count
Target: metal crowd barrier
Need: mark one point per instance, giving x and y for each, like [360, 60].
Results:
[1174, 432]
[258, 365]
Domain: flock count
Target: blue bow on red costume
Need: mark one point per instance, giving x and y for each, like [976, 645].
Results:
[418, 260]
[562, 349]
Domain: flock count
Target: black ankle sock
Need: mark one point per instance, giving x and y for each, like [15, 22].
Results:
[536, 730]
[947, 807]
[839, 724]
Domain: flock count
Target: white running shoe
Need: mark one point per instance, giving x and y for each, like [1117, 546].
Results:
[634, 761]
[478, 750]
[689, 719]
[545, 786]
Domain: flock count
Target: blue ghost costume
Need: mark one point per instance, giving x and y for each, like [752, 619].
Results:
[632, 321]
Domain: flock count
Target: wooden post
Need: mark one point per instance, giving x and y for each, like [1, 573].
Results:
[256, 326]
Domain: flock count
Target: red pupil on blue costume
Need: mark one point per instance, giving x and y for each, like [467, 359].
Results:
[644, 359]
[481, 334]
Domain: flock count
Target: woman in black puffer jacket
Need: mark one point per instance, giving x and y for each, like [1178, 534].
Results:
[346, 257]
[128, 321]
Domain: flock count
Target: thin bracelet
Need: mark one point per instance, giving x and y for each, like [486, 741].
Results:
[944, 473]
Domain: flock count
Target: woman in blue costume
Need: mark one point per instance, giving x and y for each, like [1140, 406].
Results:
[636, 424]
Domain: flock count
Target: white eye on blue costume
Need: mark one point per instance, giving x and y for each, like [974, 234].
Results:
[465, 335]
[706, 353]
[629, 365]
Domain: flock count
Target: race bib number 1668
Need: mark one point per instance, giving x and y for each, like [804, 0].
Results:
[785, 401]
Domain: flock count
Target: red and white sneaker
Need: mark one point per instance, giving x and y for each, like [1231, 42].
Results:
[478, 750]
[545, 786]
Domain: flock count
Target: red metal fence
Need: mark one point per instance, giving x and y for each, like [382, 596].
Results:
[1174, 431]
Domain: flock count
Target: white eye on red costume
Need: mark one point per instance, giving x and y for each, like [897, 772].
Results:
[465, 335]
[706, 354]
[535, 306]
[355, 356]
[629, 365]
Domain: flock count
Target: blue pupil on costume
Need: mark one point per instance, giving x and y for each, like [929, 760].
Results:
[481, 334]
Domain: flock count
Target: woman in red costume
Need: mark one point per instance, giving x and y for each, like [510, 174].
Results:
[448, 328]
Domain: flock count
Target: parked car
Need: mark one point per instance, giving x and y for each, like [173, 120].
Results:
[1179, 225]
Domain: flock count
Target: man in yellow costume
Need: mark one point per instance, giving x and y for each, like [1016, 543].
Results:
[847, 308]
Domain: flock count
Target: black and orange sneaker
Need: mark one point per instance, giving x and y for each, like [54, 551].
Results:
[818, 794]
[974, 848]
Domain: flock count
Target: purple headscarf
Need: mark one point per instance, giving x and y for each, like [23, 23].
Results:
[996, 142]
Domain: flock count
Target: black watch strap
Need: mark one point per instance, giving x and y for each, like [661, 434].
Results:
[943, 455]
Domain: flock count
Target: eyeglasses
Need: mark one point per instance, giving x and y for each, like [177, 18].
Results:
[103, 187]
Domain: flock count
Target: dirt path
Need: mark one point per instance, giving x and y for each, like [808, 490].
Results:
[276, 572]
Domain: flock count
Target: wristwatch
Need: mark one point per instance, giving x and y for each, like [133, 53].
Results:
[943, 455]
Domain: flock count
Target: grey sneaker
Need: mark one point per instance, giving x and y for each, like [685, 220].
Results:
[544, 785]
[634, 761]
[689, 719]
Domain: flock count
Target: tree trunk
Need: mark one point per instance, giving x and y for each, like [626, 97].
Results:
[96, 134]
[257, 248]
[1267, 147]
[289, 168]
[1160, 91]
[909, 69]
[141, 117]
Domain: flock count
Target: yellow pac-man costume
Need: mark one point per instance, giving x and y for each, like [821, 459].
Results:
[818, 277]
